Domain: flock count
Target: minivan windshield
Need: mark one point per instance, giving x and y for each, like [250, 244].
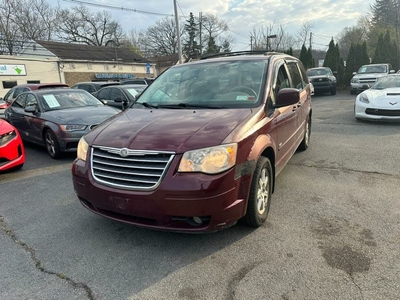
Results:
[225, 84]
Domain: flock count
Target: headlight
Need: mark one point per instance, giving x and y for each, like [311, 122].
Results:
[69, 128]
[83, 147]
[354, 80]
[363, 98]
[209, 160]
[5, 138]
[333, 79]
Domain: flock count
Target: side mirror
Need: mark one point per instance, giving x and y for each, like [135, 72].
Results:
[392, 71]
[30, 109]
[354, 73]
[286, 97]
[118, 100]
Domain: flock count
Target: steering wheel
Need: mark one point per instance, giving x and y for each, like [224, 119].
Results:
[244, 89]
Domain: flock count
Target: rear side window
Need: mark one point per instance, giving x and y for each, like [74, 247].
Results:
[297, 81]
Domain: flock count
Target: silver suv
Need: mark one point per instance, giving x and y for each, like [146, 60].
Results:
[367, 75]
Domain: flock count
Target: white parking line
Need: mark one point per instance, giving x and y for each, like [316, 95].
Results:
[10, 177]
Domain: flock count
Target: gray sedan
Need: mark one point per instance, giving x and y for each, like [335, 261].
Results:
[57, 118]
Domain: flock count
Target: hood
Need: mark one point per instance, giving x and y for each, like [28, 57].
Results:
[369, 75]
[389, 98]
[5, 127]
[168, 129]
[87, 115]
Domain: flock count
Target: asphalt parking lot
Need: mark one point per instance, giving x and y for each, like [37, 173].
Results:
[332, 232]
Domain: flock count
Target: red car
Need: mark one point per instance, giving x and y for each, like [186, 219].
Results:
[12, 153]
[201, 147]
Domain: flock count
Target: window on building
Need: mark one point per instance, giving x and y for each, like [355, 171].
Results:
[32, 81]
[9, 84]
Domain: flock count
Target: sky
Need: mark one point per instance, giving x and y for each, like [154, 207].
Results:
[327, 17]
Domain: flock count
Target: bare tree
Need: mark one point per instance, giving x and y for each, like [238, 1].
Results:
[11, 39]
[271, 38]
[36, 19]
[213, 29]
[160, 39]
[82, 26]
[304, 33]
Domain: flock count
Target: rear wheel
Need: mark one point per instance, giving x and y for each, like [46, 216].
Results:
[51, 143]
[260, 194]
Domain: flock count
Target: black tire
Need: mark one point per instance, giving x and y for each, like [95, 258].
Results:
[333, 91]
[51, 144]
[306, 139]
[261, 187]
[352, 92]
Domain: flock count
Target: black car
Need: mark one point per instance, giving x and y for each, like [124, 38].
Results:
[57, 118]
[93, 87]
[143, 81]
[322, 79]
[120, 96]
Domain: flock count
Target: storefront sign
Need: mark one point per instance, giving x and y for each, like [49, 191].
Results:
[16, 70]
[113, 76]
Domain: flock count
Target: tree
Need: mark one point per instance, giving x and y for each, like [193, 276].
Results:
[82, 26]
[334, 61]
[191, 48]
[160, 39]
[11, 36]
[214, 28]
[304, 32]
[36, 19]
[270, 38]
[310, 59]
[303, 56]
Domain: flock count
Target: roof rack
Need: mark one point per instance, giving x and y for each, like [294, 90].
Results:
[237, 53]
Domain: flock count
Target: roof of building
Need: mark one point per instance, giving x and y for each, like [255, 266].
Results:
[87, 52]
[165, 61]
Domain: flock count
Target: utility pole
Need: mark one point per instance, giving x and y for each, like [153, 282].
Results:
[310, 39]
[251, 43]
[178, 33]
[200, 23]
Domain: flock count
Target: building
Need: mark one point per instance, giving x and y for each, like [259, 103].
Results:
[45, 61]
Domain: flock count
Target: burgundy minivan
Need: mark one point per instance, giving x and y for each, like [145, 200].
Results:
[201, 147]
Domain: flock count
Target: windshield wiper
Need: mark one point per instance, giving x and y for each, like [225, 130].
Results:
[145, 104]
[188, 105]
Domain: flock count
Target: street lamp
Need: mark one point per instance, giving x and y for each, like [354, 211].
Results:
[272, 36]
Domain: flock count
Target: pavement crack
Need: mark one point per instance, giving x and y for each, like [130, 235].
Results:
[237, 278]
[345, 169]
[38, 264]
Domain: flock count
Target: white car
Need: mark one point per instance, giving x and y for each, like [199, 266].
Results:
[381, 101]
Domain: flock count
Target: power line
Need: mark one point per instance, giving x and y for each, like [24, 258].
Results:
[121, 8]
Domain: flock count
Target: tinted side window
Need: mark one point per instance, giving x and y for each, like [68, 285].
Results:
[20, 101]
[9, 95]
[304, 75]
[297, 81]
[115, 93]
[31, 101]
[90, 88]
[104, 94]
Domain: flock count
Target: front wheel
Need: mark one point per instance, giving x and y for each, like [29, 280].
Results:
[333, 91]
[260, 194]
[51, 143]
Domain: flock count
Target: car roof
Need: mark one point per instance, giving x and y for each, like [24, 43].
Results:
[58, 90]
[37, 86]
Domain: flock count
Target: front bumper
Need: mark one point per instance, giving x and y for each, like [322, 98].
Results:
[12, 154]
[359, 87]
[181, 198]
[368, 112]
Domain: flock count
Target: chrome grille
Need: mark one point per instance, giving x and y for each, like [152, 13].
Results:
[133, 169]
